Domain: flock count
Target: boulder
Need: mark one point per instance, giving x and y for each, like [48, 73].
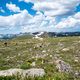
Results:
[63, 66]
[30, 72]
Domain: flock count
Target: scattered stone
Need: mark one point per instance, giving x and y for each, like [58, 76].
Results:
[7, 56]
[42, 61]
[65, 49]
[76, 73]
[39, 45]
[48, 50]
[41, 39]
[57, 51]
[59, 44]
[48, 43]
[76, 60]
[33, 64]
[44, 55]
[30, 72]
[18, 54]
[50, 55]
[44, 51]
[33, 57]
[57, 55]
[63, 66]
[55, 58]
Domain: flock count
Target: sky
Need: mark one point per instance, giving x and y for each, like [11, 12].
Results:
[39, 15]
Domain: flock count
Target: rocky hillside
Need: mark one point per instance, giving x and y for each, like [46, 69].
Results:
[40, 59]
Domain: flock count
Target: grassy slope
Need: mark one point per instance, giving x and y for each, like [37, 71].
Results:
[25, 37]
[18, 51]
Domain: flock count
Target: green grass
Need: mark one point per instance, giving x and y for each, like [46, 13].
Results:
[25, 37]
[20, 51]
[25, 66]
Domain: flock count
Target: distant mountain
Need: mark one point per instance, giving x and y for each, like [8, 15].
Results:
[38, 34]
[57, 34]
[11, 36]
[60, 34]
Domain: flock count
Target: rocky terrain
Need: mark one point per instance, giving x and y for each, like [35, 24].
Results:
[40, 59]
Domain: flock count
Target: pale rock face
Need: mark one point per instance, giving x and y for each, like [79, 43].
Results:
[30, 72]
[37, 72]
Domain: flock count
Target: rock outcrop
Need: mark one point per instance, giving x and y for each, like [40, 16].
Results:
[63, 66]
[30, 72]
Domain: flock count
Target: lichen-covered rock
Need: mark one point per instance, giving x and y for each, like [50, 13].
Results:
[63, 66]
[30, 72]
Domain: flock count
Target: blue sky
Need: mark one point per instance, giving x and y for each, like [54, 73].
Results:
[39, 15]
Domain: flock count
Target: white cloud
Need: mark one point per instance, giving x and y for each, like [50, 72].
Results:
[16, 20]
[70, 22]
[54, 8]
[51, 19]
[39, 22]
[77, 16]
[20, 0]
[43, 23]
[13, 7]
[66, 24]
[23, 20]
[37, 19]
[1, 10]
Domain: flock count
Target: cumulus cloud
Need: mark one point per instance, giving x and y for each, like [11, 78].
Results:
[51, 19]
[13, 7]
[1, 10]
[43, 23]
[20, 0]
[66, 23]
[38, 22]
[23, 20]
[16, 20]
[70, 22]
[54, 8]
[77, 16]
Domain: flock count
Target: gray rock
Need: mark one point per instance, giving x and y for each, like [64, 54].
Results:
[30, 72]
[35, 71]
[33, 64]
[75, 60]
[37, 46]
[44, 51]
[76, 73]
[63, 66]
